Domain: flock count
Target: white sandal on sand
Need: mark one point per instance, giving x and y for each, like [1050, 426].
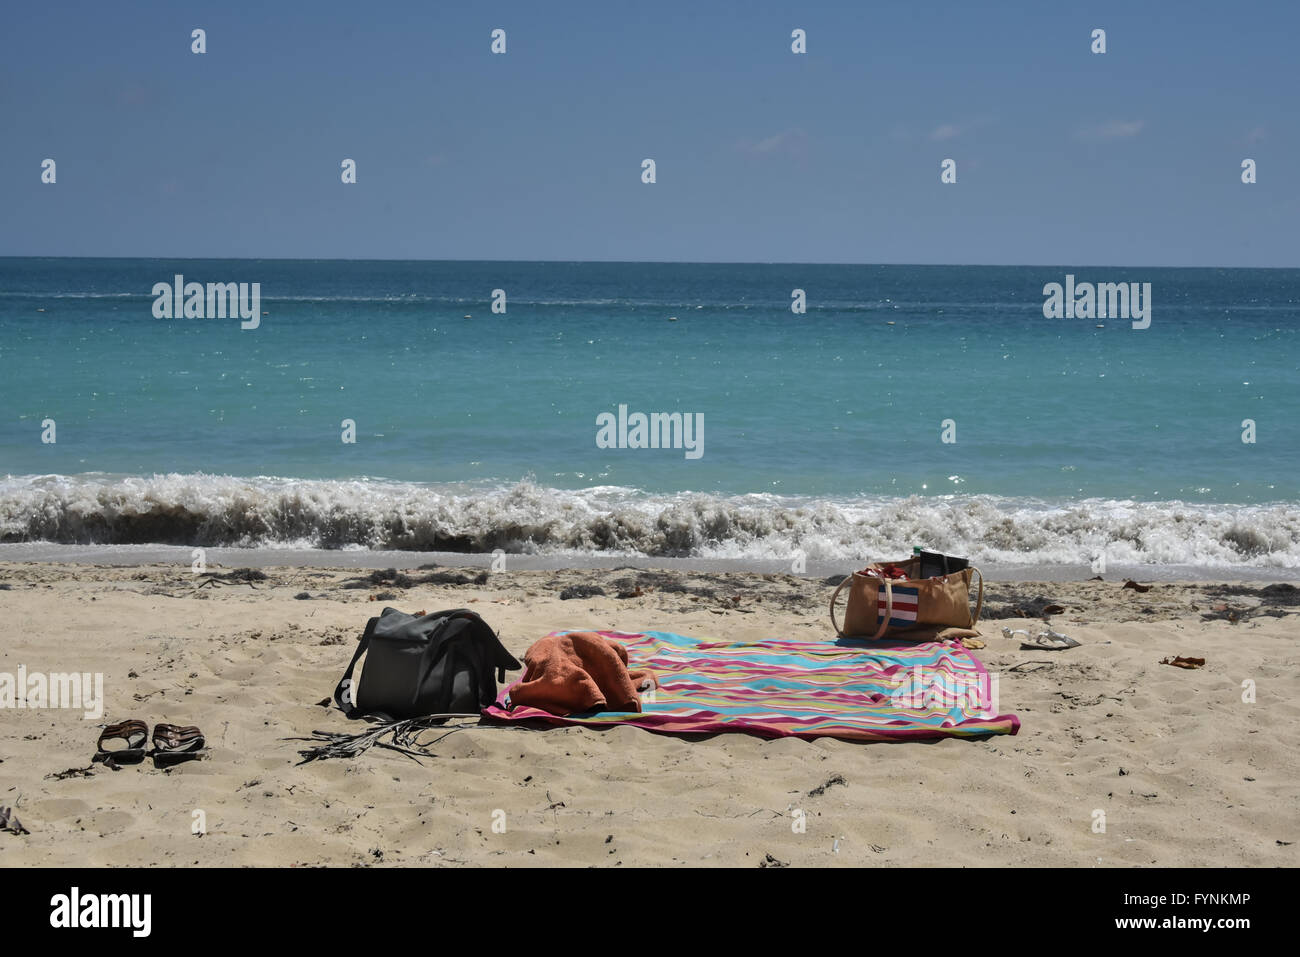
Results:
[1048, 640]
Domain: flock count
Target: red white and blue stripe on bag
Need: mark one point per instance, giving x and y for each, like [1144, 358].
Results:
[903, 614]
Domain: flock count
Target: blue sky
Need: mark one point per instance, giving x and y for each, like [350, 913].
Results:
[1063, 156]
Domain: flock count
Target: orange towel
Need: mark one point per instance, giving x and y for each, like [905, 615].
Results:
[578, 673]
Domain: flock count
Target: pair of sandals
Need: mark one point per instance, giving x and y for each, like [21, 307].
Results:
[1047, 640]
[124, 743]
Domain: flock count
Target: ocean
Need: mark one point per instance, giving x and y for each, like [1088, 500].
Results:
[909, 405]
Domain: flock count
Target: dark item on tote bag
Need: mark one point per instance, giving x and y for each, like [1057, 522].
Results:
[934, 564]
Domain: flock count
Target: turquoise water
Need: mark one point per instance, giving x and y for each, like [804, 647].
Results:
[482, 430]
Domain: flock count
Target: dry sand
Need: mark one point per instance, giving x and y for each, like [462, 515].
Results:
[1184, 771]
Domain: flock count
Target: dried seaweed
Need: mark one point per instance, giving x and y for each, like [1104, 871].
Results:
[404, 738]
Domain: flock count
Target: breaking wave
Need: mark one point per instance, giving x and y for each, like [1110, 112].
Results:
[207, 510]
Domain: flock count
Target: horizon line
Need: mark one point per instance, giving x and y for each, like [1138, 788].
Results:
[644, 262]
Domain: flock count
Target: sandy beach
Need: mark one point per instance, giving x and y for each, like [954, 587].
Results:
[1184, 771]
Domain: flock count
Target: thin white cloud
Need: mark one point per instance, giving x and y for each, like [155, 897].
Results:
[950, 131]
[787, 141]
[1114, 130]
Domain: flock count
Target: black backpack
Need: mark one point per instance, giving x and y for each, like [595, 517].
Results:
[447, 662]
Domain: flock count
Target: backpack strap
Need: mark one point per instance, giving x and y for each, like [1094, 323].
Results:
[345, 691]
[502, 660]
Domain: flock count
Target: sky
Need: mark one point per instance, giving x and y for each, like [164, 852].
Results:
[1063, 156]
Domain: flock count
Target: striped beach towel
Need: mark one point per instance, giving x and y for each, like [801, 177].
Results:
[883, 691]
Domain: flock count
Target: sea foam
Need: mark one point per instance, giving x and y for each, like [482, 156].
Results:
[525, 517]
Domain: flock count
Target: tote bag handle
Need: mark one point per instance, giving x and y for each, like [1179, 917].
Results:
[979, 602]
[889, 605]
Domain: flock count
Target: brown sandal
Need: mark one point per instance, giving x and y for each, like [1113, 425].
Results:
[134, 733]
[173, 743]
